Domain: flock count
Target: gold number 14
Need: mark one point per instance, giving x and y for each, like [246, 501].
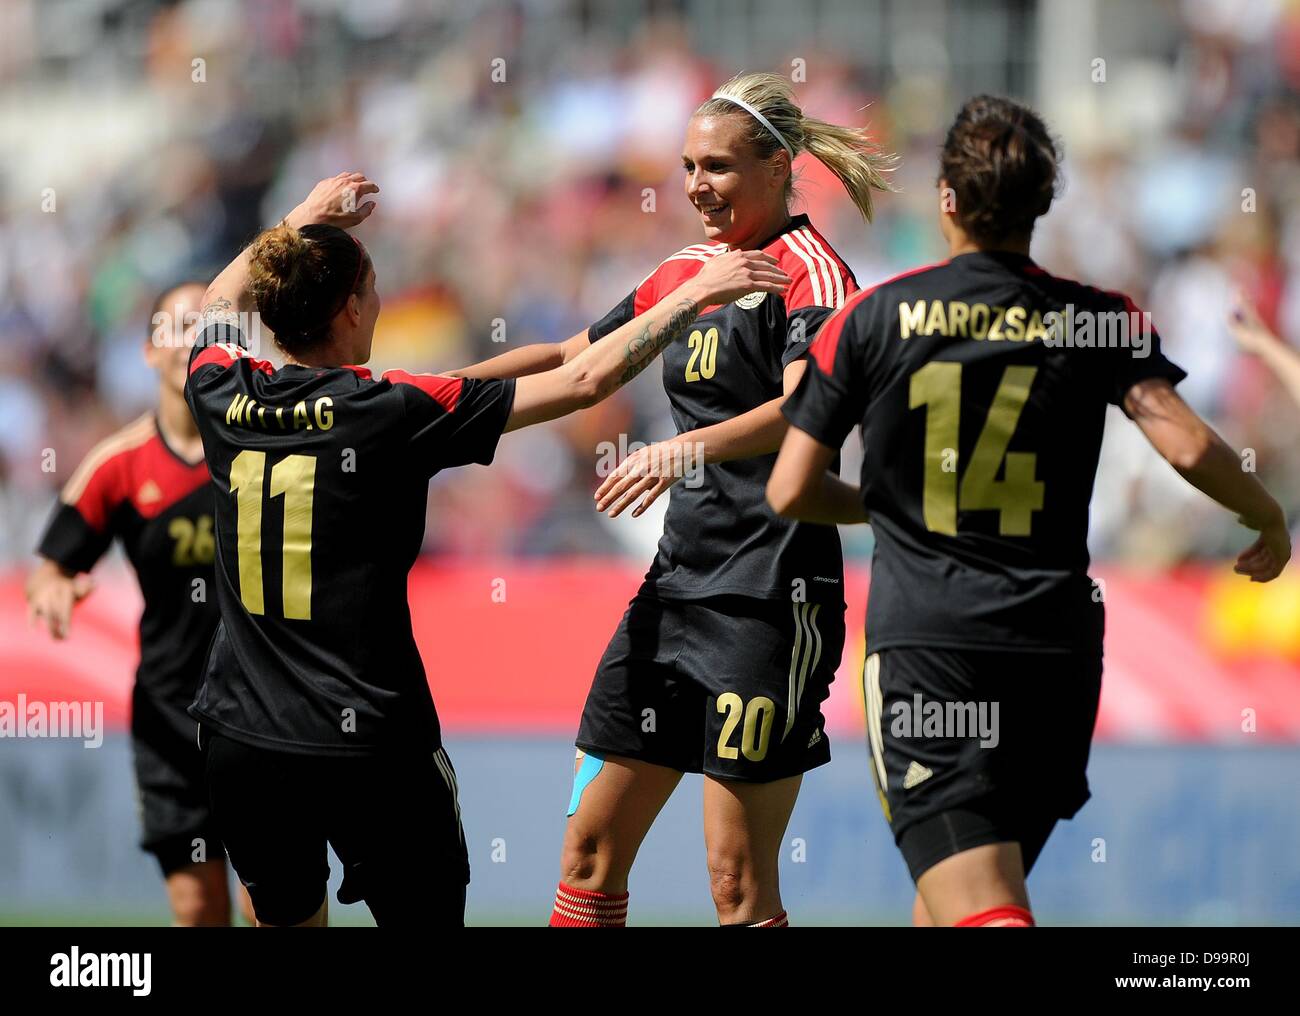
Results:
[294, 477]
[1016, 497]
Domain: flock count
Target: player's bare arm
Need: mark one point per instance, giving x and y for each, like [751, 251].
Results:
[803, 487]
[613, 361]
[1206, 461]
[526, 360]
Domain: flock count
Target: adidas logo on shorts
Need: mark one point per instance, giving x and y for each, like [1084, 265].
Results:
[816, 737]
[916, 774]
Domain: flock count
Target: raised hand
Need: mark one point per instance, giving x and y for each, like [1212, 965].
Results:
[336, 202]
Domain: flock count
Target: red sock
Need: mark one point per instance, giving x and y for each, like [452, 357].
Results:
[998, 917]
[781, 920]
[583, 908]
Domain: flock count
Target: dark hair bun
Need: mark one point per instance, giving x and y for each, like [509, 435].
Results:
[301, 278]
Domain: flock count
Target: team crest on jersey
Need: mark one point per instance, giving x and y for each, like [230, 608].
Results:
[750, 301]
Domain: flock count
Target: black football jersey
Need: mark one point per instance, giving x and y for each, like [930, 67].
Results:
[321, 481]
[135, 488]
[981, 385]
[720, 537]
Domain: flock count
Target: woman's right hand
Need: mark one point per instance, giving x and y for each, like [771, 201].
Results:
[737, 273]
[335, 202]
[51, 595]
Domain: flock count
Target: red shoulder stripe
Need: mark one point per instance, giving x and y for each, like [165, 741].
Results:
[827, 342]
[442, 389]
[903, 275]
[672, 272]
[223, 354]
[645, 297]
[1129, 306]
[823, 246]
[821, 278]
[102, 480]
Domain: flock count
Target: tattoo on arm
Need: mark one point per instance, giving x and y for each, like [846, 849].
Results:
[642, 349]
[219, 311]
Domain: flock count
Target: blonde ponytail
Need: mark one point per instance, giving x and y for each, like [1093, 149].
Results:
[848, 152]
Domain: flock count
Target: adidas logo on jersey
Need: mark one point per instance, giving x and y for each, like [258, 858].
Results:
[816, 737]
[149, 493]
[916, 774]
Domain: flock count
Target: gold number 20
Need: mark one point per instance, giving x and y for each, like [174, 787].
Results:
[705, 349]
[758, 717]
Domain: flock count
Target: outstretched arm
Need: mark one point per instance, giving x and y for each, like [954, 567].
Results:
[1205, 461]
[605, 366]
[803, 487]
[531, 359]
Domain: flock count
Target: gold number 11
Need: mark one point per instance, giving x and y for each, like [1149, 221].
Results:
[295, 477]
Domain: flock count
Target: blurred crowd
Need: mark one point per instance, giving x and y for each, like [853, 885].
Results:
[526, 188]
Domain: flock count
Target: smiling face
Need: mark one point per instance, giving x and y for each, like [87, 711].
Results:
[740, 197]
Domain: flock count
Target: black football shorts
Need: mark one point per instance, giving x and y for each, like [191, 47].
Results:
[171, 787]
[731, 686]
[971, 747]
[393, 820]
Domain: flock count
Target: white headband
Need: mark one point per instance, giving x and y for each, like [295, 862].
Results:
[760, 118]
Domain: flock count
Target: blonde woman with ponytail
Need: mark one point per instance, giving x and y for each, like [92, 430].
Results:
[726, 653]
